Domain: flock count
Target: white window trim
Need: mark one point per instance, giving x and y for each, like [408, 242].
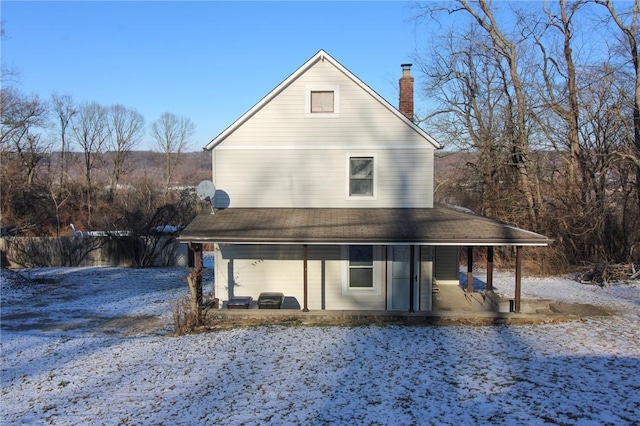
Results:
[376, 290]
[348, 196]
[322, 88]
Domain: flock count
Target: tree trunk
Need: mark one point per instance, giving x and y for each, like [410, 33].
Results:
[195, 288]
[520, 144]
[630, 32]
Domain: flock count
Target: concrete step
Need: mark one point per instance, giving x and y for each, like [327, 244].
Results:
[451, 298]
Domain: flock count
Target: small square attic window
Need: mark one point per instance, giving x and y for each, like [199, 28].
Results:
[322, 101]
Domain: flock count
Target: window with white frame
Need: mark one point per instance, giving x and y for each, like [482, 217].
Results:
[361, 176]
[361, 272]
[322, 101]
[360, 267]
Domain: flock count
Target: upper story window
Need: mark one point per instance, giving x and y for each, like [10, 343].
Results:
[362, 176]
[322, 101]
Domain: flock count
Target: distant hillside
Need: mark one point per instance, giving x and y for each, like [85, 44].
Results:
[193, 168]
[146, 165]
[196, 166]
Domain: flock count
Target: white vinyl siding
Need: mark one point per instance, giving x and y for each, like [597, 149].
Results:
[260, 268]
[250, 270]
[284, 120]
[281, 154]
[362, 120]
[447, 265]
[281, 158]
[290, 178]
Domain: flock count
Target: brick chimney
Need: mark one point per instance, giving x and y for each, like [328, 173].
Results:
[406, 92]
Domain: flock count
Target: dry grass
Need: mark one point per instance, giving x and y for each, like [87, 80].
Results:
[185, 320]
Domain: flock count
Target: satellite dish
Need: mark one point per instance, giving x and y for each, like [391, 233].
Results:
[206, 190]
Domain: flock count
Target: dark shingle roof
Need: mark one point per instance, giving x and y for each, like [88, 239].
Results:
[438, 225]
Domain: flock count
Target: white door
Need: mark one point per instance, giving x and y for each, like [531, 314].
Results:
[398, 278]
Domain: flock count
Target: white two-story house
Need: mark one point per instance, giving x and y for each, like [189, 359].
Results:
[324, 192]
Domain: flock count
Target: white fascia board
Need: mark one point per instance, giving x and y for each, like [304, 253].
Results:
[388, 147]
[321, 55]
[386, 104]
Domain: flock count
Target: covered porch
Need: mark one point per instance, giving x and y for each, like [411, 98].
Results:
[419, 229]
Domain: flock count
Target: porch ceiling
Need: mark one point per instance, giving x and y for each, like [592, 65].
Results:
[430, 226]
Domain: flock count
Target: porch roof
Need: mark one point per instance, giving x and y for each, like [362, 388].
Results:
[440, 225]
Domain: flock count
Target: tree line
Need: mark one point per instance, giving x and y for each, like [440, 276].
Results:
[541, 98]
[45, 142]
[544, 100]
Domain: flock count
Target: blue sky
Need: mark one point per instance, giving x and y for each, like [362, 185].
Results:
[209, 61]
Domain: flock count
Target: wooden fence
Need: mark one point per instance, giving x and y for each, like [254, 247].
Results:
[26, 252]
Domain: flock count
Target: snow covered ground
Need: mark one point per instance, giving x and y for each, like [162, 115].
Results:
[91, 346]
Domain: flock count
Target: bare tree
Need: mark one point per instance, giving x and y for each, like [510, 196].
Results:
[556, 109]
[507, 54]
[172, 134]
[6, 74]
[59, 199]
[127, 130]
[508, 51]
[518, 79]
[609, 213]
[559, 88]
[64, 110]
[627, 23]
[23, 120]
[90, 131]
[468, 81]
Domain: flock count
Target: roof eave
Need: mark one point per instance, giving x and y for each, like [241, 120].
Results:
[266, 99]
[435, 242]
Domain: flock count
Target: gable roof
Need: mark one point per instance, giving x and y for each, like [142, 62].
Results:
[320, 56]
[440, 225]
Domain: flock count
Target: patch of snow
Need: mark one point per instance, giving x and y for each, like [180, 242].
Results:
[460, 209]
[60, 367]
